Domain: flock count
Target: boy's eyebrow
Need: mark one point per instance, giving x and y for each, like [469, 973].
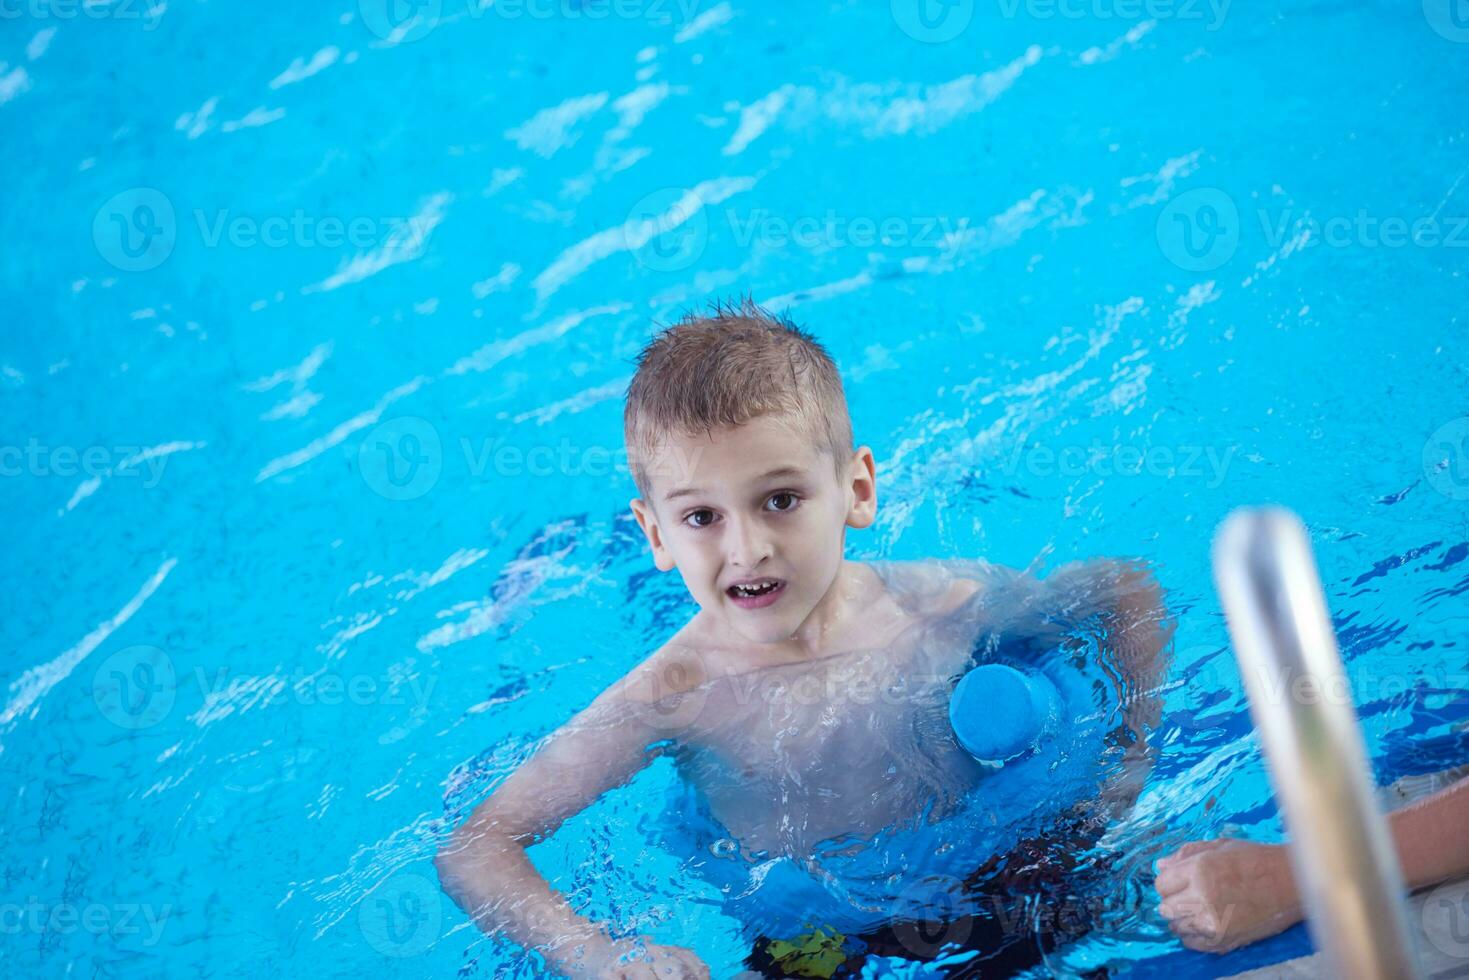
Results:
[768, 475]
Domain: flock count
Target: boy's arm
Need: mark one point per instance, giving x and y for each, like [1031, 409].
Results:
[1123, 601]
[1127, 604]
[1221, 894]
[483, 865]
[1432, 836]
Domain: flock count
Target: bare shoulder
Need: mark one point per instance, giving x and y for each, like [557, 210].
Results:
[959, 592]
[680, 665]
[930, 588]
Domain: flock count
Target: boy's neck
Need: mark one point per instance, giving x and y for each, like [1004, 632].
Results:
[827, 630]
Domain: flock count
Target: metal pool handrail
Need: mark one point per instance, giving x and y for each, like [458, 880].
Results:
[1340, 849]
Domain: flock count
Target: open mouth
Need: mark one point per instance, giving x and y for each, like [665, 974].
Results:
[752, 595]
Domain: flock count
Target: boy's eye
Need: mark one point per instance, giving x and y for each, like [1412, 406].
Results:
[700, 518]
[783, 501]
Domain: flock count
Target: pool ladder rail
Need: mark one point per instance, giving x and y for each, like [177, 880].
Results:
[1340, 849]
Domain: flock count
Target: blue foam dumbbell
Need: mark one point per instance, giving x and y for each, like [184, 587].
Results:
[999, 713]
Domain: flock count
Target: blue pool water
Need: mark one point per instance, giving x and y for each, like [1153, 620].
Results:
[318, 322]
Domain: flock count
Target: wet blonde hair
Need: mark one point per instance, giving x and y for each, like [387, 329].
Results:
[725, 368]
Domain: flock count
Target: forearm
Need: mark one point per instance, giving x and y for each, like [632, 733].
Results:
[1431, 836]
[489, 875]
[1256, 884]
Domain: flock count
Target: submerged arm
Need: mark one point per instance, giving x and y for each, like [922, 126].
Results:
[483, 865]
[1124, 601]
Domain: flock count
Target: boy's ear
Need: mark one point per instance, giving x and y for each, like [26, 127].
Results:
[862, 486]
[649, 523]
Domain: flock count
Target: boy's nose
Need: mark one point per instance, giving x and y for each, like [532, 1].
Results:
[749, 545]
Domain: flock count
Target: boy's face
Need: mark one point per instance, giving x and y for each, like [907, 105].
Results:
[756, 503]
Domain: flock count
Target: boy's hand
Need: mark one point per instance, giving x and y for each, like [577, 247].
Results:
[1221, 894]
[637, 959]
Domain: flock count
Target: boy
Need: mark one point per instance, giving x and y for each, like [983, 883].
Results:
[740, 447]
